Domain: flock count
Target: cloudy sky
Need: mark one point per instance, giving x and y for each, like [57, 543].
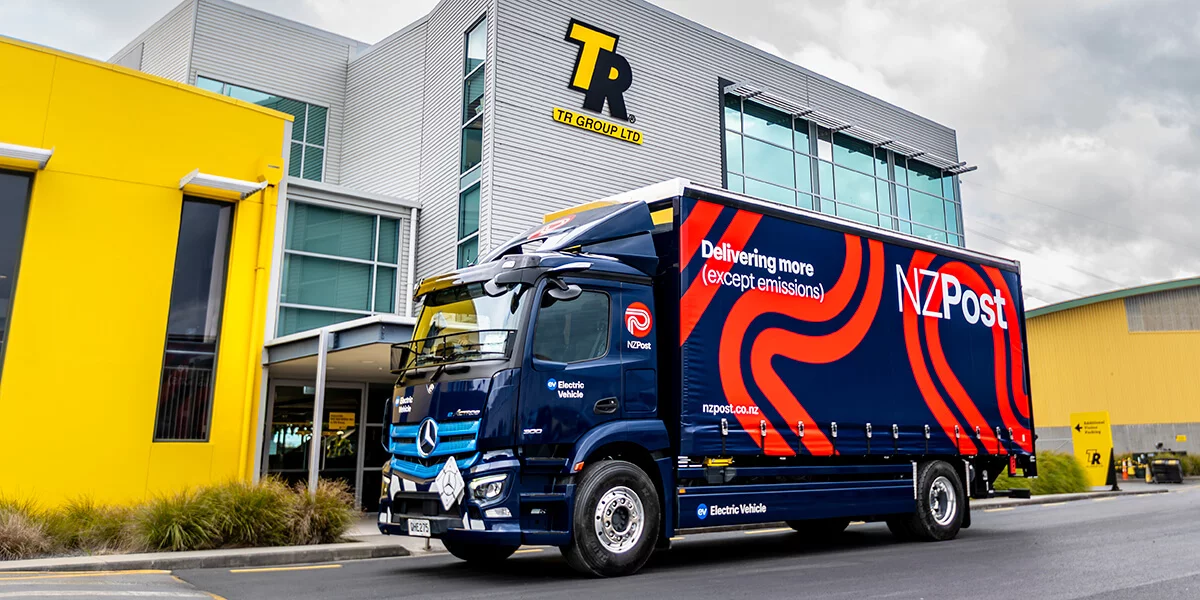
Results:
[1082, 116]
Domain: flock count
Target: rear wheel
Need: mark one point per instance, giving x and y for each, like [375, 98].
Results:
[479, 553]
[616, 520]
[940, 504]
[820, 529]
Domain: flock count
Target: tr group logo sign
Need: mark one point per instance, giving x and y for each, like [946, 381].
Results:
[603, 76]
[600, 73]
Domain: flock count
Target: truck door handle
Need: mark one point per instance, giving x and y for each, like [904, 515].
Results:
[607, 406]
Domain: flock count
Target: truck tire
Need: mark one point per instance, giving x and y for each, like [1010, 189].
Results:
[480, 554]
[939, 513]
[616, 521]
[820, 529]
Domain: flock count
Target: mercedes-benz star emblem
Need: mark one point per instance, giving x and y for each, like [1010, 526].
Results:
[427, 437]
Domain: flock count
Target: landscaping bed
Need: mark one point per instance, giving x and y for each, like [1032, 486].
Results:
[230, 515]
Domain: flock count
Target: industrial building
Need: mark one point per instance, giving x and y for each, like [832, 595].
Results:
[1130, 352]
[136, 228]
[418, 153]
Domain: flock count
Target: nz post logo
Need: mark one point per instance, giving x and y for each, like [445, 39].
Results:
[600, 73]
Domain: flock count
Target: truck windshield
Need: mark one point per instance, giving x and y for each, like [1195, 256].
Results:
[463, 323]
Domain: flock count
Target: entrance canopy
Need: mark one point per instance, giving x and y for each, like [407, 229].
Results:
[353, 352]
[358, 350]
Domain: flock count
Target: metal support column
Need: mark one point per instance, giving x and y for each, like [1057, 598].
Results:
[316, 444]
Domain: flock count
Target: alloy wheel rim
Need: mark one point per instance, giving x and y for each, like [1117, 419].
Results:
[943, 502]
[620, 519]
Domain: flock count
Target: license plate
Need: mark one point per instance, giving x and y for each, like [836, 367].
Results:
[418, 527]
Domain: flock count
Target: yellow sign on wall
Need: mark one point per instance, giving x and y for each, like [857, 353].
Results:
[1091, 435]
[341, 421]
[1180, 438]
[591, 123]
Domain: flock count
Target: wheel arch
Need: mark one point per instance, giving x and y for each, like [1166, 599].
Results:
[645, 444]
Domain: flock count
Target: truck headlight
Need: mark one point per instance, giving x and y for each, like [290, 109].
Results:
[487, 488]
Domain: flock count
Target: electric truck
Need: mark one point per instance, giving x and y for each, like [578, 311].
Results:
[681, 357]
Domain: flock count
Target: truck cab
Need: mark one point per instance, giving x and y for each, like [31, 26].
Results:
[520, 370]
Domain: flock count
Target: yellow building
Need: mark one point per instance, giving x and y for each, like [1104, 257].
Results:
[137, 218]
[1131, 352]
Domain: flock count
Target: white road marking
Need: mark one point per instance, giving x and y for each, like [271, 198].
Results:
[100, 593]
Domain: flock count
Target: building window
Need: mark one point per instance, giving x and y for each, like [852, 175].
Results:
[185, 391]
[777, 157]
[474, 72]
[14, 205]
[307, 159]
[337, 266]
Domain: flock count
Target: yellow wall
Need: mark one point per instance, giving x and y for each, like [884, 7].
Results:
[80, 382]
[1085, 359]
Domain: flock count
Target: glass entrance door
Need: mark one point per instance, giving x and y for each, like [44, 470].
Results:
[291, 432]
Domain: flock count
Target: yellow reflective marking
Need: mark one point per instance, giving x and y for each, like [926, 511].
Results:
[1054, 504]
[528, 551]
[1002, 509]
[272, 569]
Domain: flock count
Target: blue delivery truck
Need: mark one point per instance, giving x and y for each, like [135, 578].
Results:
[684, 357]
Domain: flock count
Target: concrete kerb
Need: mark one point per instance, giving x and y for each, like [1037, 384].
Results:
[211, 559]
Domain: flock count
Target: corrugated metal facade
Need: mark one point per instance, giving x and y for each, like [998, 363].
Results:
[1171, 310]
[382, 142]
[165, 49]
[542, 166]
[260, 51]
[396, 108]
[442, 109]
[1085, 358]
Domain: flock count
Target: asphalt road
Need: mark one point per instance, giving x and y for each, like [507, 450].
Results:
[1129, 547]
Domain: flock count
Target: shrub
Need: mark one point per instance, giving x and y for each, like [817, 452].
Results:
[248, 514]
[82, 525]
[185, 521]
[324, 518]
[22, 531]
[230, 515]
[1058, 473]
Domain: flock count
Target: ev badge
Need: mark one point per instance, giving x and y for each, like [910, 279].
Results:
[702, 511]
[551, 383]
[427, 437]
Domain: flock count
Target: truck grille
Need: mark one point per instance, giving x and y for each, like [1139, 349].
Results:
[455, 439]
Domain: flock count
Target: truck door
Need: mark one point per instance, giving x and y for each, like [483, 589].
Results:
[638, 347]
[573, 382]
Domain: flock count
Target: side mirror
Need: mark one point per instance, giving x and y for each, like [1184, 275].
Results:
[493, 289]
[563, 291]
[401, 353]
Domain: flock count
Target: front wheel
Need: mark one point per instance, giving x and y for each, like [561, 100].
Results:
[940, 504]
[616, 521]
[478, 553]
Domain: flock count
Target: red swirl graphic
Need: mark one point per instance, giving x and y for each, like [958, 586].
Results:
[811, 349]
